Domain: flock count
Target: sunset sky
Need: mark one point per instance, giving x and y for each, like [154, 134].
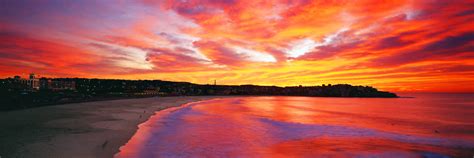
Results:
[418, 45]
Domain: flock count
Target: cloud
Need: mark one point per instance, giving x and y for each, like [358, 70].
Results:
[125, 56]
[218, 53]
[253, 55]
[301, 47]
[395, 45]
[20, 52]
[165, 61]
[391, 42]
[451, 43]
[436, 50]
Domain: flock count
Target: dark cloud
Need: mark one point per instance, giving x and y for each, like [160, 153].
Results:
[451, 44]
[458, 68]
[193, 7]
[465, 13]
[445, 47]
[390, 42]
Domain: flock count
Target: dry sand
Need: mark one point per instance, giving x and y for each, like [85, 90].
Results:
[91, 129]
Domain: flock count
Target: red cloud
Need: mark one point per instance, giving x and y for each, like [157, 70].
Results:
[394, 45]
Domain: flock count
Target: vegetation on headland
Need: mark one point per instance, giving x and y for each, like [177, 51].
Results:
[17, 93]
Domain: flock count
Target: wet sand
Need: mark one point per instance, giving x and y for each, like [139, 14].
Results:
[91, 129]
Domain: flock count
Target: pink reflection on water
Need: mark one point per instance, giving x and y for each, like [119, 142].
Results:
[427, 126]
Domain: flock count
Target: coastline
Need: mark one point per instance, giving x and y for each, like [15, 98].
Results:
[88, 129]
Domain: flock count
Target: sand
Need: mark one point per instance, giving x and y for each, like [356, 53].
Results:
[91, 129]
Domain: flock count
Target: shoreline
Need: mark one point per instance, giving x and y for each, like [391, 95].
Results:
[87, 129]
[141, 97]
[157, 114]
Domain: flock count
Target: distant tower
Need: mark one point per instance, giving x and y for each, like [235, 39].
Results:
[33, 82]
[215, 82]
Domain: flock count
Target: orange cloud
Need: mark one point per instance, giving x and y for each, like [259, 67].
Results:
[393, 45]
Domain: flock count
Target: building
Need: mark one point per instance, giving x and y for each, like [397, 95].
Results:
[32, 83]
[45, 83]
[59, 85]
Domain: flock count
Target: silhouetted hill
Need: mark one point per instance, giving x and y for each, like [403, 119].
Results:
[18, 93]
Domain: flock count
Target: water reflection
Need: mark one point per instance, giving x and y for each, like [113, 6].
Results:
[425, 126]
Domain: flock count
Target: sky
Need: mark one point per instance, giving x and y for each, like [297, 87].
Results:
[399, 45]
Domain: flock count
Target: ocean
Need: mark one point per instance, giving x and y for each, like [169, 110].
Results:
[421, 125]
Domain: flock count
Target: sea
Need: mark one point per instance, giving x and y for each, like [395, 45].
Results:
[416, 125]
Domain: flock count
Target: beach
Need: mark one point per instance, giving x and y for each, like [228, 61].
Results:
[89, 129]
[217, 126]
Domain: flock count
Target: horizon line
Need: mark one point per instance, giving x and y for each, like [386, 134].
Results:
[304, 85]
